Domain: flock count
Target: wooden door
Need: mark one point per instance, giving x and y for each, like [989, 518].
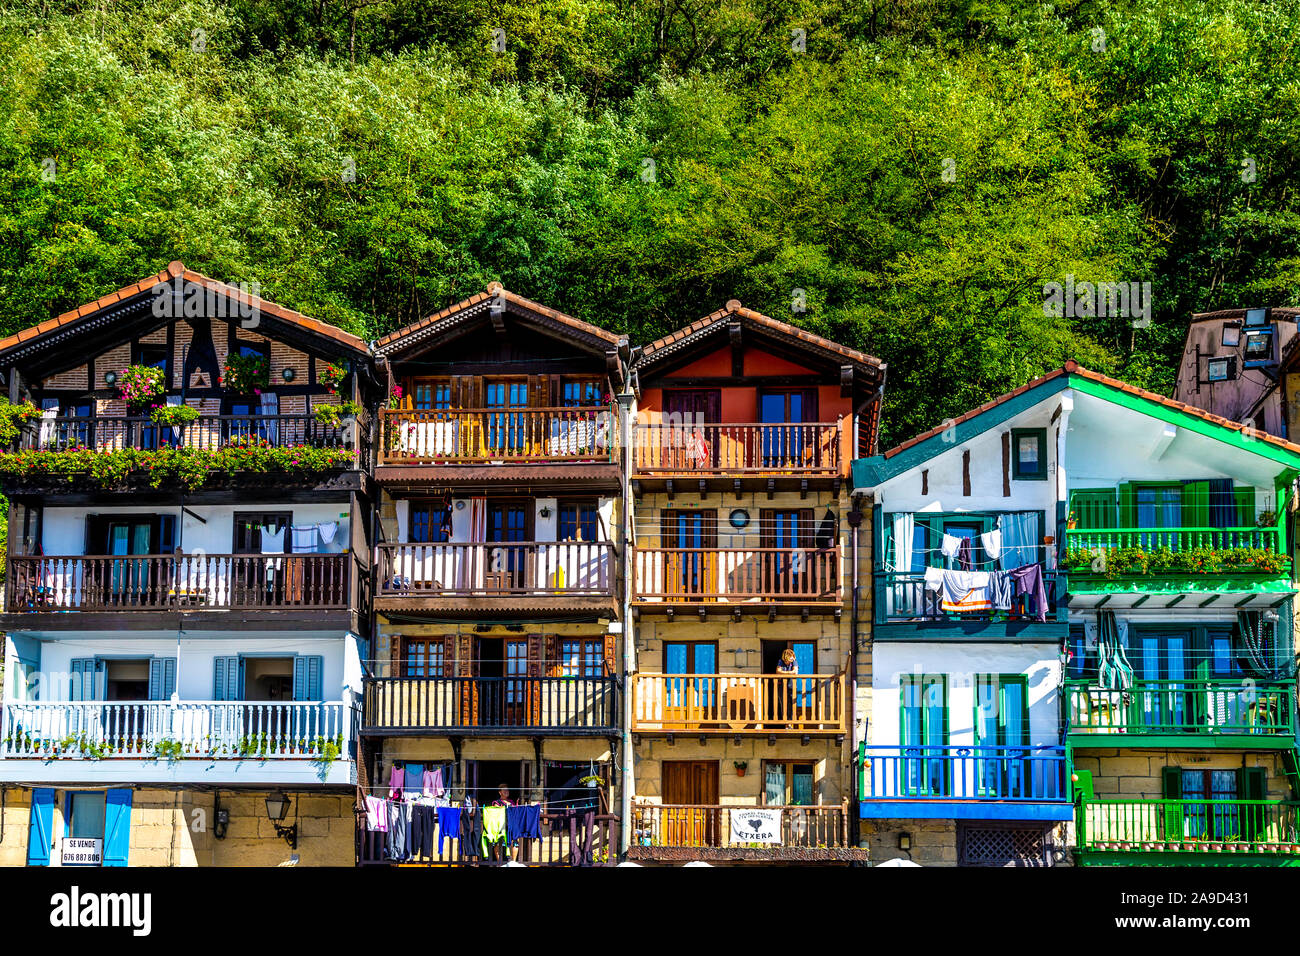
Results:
[690, 563]
[694, 414]
[691, 786]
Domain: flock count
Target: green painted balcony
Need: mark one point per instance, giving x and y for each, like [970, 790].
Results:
[1187, 833]
[1227, 713]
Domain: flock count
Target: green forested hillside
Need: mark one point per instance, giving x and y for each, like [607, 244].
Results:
[911, 171]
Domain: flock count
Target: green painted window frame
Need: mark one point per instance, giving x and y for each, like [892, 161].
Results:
[911, 680]
[1040, 474]
[1001, 679]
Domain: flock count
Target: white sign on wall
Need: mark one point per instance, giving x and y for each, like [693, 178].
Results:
[755, 825]
[82, 851]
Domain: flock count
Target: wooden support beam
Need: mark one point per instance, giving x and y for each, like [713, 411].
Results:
[1006, 464]
[735, 332]
[925, 481]
[965, 473]
[846, 381]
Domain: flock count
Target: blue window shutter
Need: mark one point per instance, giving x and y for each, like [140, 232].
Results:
[225, 678]
[117, 826]
[38, 837]
[85, 683]
[162, 678]
[307, 671]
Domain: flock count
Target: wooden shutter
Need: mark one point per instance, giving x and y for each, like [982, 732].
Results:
[554, 665]
[85, 678]
[465, 669]
[117, 826]
[42, 824]
[1172, 788]
[611, 655]
[1196, 504]
[308, 681]
[1127, 506]
[533, 687]
[162, 678]
[225, 678]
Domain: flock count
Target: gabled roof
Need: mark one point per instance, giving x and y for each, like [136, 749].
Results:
[662, 349]
[71, 319]
[477, 307]
[870, 471]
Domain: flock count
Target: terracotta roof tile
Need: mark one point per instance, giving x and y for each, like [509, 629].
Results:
[1073, 368]
[174, 270]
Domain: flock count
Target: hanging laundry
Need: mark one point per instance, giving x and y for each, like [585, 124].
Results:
[398, 823]
[964, 560]
[395, 780]
[494, 827]
[376, 814]
[272, 543]
[304, 538]
[424, 820]
[1001, 590]
[1029, 580]
[965, 591]
[951, 545]
[448, 825]
[327, 531]
[471, 831]
[412, 778]
[523, 822]
[934, 579]
[431, 784]
[991, 542]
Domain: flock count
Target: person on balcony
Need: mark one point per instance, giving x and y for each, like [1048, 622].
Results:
[787, 666]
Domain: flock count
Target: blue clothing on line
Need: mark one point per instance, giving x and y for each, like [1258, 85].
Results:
[523, 822]
[448, 824]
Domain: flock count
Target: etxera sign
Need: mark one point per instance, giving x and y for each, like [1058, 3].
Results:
[77, 909]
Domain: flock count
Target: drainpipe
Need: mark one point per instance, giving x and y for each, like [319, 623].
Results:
[855, 524]
[629, 643]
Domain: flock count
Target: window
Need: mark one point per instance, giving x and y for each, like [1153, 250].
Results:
[248, 529]
[1029, 454]
[1001, 710]
[1159, 506]
[578, 522]
[424, 657]
[86, 815]
[690, 657]
[430, 523]
[155, 356]
[923, 729]
[580, 394]
[582, 658]
[782, 406]
[432, 395]
[787, 783]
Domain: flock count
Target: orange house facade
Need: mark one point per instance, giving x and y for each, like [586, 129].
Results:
[741, 575]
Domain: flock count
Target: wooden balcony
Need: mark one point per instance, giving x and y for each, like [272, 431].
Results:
[739, 704]
[71, 591]
[753, 457]
[207, 432]
[556, 576]
[681, 833]
[492, 706]
[1224, 552]
[565, 841]
[566, 445]
[1186, 713]
[736, 579]
[901, 598]
[967, 781]
[181, 730]
[1187, 833]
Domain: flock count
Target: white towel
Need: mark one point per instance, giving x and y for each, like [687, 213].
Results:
[966, 591]
[991, 542]
[304, 538]
[933, 579]
[327, 530]
[951, 545]
[272, 540]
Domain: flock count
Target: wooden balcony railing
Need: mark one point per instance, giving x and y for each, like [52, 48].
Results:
[566, 840]
[528, 568]
[733, 575]
[902, 598]
[207, 432]
[1017, 774]
[482, 435]
[1204, 708]
[192, 582]
[802, 449]
[1176, 539]
[739, 703]
[703, 826]
[226, 730]
[522, 704]
[1202, 827]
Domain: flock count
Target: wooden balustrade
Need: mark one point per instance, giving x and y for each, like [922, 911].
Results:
[1175, 539]
[207, 432]
[194, 581]
[902, 597]
[526, 704]
[1204, 708]
[481, 435]
[954, 772]
[709, 826]
[565, 840]
[675, 449]
[534, 568]
[177, 729]
[1202, 827]
[723, 575]
[739, 703]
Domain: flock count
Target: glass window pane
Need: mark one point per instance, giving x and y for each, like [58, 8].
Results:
[87, 816]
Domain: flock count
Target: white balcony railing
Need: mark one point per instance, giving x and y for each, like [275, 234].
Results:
[224, 730]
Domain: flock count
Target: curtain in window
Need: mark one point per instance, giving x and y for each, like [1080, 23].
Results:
[902, 596]
[1254, 649]
[1223, 503]
[1020, 538]
[774, 784]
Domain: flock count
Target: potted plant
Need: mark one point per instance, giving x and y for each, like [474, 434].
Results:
[1072, 522]
[741, 767]
[333, 415]
[246, 374]
[173, 415]
[330, 375]
[139, 385]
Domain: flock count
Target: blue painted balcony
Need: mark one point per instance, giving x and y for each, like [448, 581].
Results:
[963, 783]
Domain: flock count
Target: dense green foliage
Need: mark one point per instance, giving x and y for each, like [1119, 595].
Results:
[914, 175]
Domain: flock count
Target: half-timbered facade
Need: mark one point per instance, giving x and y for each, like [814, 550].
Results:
[743, 551]
[186, 586]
